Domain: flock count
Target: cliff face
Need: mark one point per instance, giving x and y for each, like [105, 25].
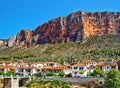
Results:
[74, 27]
[21, 39]
[2, 42]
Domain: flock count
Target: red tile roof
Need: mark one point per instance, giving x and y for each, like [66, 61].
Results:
[107, 64]
[79, 64]
[60, 67]
[28, 67]
[7, 66]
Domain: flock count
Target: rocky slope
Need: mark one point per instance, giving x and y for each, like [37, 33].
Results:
[105, 46]
[74, 27]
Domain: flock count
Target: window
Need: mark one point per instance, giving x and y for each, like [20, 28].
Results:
[75, 67]
[75, 72]
[81, 68]
[107, 67]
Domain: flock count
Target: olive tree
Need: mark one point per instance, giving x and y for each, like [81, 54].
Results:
[113, 79]
[97, 72]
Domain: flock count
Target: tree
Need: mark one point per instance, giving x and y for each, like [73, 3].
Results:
[11, 72]
[97, 71]
[61, 74]
[51, 74]
[2, 72]
[113, 79]
[62, 61]
[37, 74]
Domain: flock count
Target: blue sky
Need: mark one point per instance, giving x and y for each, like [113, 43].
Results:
[16, 15]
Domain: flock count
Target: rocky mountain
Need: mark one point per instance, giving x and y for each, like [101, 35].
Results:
[3, 42]
[75, 27]
[21, 39]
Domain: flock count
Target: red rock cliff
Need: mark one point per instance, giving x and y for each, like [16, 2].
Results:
[74, 27]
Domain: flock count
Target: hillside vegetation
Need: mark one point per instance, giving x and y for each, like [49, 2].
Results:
[106, 46]
[41, 83]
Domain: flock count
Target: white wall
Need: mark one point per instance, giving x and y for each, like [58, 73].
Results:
[75, 72]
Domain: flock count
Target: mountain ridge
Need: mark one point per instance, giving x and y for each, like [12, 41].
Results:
[75, 27]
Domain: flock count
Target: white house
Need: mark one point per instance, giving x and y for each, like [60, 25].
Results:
[27, 71]
[108, 65]
[91, 69]
[55, 69]
[7, 68]
[79, 70]
[39, 64]
[89, 63]
[75, 68]
[44, 64]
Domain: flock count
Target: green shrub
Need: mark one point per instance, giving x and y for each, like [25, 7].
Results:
[41, 83]
[37, 74]
[2, 73]
[97, 72]
[61, 74]
[4, 57]
[51, 74]
[81, 72]
[11, 72]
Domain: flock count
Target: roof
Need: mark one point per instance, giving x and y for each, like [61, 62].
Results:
[60, 67]
[114, 64]
[28, 67]
[7, 66]
[45, 63]
[101, 64]
[73, 63]
[79, 64]
[108, 64]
